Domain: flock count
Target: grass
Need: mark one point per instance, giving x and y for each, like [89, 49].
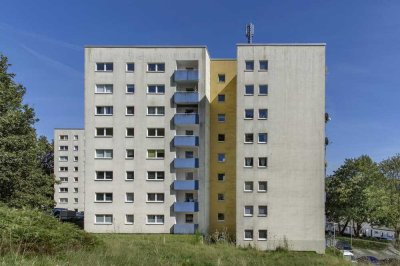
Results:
[366, 244]
[128, 249]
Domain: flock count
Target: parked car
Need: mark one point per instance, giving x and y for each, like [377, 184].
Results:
[368, 260]
[343, 245]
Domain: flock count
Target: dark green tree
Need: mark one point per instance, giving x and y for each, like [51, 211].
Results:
[26, 177]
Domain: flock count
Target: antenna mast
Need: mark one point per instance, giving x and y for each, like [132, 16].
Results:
[250, 32]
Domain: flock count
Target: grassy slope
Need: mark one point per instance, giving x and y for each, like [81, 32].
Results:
[366, 244]
[170, 250]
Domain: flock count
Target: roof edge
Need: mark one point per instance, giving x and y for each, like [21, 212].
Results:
[145, 46]
[281, 44]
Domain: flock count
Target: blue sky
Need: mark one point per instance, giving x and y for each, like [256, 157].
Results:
[44, 41]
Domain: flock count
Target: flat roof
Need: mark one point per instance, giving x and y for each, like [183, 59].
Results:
[146, 46]
[281, 44]
[68, 128]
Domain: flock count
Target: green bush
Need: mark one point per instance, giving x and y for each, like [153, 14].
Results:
[32, 231]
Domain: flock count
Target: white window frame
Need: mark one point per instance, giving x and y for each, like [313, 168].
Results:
[76, 190]
[262, 238]
[262, 118]
[76, 169]
[104, 218]
[132, 86]
[63, 137]
[104, 69]
[76, 158]
[104, 174]
[126, 176]
[157, 218]
[130, 157]
[104, 132]
[107, 110]
[157, 176]
[104, 89]
[126, 197]
[63, 158]
[157, 66]
[244, 235]
[248, 166]
[63, 190]
[157, 88]
[63, 200]
[63, 148]
[252, 186]
[76, 148]
[104, 194]
[157, 135]
[126, 67]
[261, 207]
[156, 195]
[105, 152]
[126, 132]
[128, 108]
[248, 142]
[266, 162]
[76, 137]
[157, 151]
[250, 208]
[126, 219]
[262, 190]
[258, 138]
[248, 118]
[157, 110]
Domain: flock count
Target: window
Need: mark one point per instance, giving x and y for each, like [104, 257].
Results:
[221, 117]
[248, 234]
[104, 197]
[248, 114]
[104, 154]
[104, 66]
[248, 186]
[104, 88]
[104, 132]
[248, 138]
[129, 219]
[262, 161]
[130, 132]
[63, 169]
[130, 175]
[130, 110]
[189, 132]
[155, 67]
[189, 175]
[63, 200]
[221, 98]
[104, 175]
[75, 158]
[130, 67]
[221, 217]
[248, 162]
[156, 132]
[263, 65]
[63, 190]
[76, 201]
[155, 197]
[221, 157]
[189, 218]
[63, 159]
[155, 219]
[262, 186]
[155, 175]
[129, 197]
[221, 137]
[76, 169]
[76, 148]
[76, 190]
[248, 210]
[221, 176]
[155, 154]
[262, 211]
[263, 90]
[63, 137]
[130, 88]
[262, 113]
[63, 179]
[249, 65]
[155, 110]
[262, 234]
[130, 154]
[156, 89]
[249, 90]
[104, 110]
[103, 219]
[63, 148]
[76, 137]
[221, 78]
[262, 137]
[220, 196]
[189, 154]
[76, 179]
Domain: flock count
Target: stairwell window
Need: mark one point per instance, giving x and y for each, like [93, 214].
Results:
[155, 219]
[104, 154]
[104, 197]
[104, 88]
[221, 98]
[155, 197]
[221, 137]
[155, 67]
[221, 117]
[104, 175]
[106, 67]
[104, 110]
[103, 219]
[155, 154]
[155, 110]
[155, 175]
[221, 176]
[104, 132]
[156, 89]
[221, 78]
[221, 157]
[221, 197]
[220, 217]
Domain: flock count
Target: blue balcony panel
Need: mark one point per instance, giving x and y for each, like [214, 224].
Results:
[191, 206]
[186, 184]
[186, 97]
[185, 229]
[186, 141]
[186, 163]
[186, 119]
[186, 75]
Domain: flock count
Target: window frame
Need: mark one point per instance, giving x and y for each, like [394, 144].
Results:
[252, 89]
[252, 162]
[105, 132]
[223, 177]
[248, 134]
[250, 208]
[157, 89]
[104, 219]
[262, 238]
[260, 207]
[126, 219]
[266, 138]
[246, 64]
[218, 217]
[156, 195]
[127, 131]
[246, 183]
[127, 67]
[156, 154]
[105, 108]
[263, 69]
[105, 64]
[221, 77]
[156, 176]
[252, 235]
[157, 66]
[259, 114]
[224, 157]
[222, 139]
[156, 130]
[259, 90]
[104, 86]
[259, 162]
[104, 176]
[129, 157]
[156, 219]
[130, 86]
[156, 109]
[128, 173]
[245, 114]
[126, 197]
[221, 116]
[130, 107]
[221, 98]
[104, 194]
[104, 153]
[262, 190]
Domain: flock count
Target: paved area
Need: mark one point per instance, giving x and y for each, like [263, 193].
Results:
[390, 252]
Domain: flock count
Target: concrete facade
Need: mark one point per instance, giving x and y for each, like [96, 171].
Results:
[69, 153]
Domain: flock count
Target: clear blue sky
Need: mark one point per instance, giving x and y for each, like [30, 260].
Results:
[44, 41]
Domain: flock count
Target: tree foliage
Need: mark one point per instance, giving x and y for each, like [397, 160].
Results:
[25, 161]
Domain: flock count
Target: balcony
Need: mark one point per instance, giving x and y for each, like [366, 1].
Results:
[185, 229]
[186, 185]
[186, 119]
[191, 206]
[186, 141]
[186, 163]
[186, 97]
[186, 76]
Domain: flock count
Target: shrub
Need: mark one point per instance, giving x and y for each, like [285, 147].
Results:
[32, 231]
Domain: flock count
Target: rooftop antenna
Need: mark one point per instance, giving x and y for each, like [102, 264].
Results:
[249, 32]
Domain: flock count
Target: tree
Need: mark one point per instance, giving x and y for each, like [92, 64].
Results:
[350, 191]
[25, 178]
[391, 170]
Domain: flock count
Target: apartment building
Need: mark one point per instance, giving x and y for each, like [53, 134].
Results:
[176, 142]
[68, 168]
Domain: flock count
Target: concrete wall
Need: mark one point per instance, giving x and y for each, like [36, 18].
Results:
[71, 174]
[295, 148]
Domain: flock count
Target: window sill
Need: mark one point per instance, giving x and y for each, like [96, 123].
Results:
[248, 166]
[128, 71]
[107, 180]
[262, 239]
[262, 166]
[129, 115]
[156, 159]
[221, 221]
[248, 239]
[155, 137]
[148, 71]
[155, 93]
[102, 115]
[247, 215]
[261, 191]
[154, 201]
[155, 180]
[248, 118]
[248, 94]
[261, 215]
[103, 223]
[129, 137]
[103, 136]
[103, 93]
[129, 180]
[248, 142]
[154, 223]
[129, 158]
[248, 191]
[263, 70]
[103, 158]
[154, 115]
[262, 118]
[129, 201]
[102, 201]
[262, 142]
[248, 70]
[263, 94]
[128, 223]
[104, 71]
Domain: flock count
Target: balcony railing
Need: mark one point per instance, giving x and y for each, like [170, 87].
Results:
[186, 75]
[185, 229]
[186, 163]
[186, 141]
[186, 119]
[186, 97]
[186, 184]
[191, 206]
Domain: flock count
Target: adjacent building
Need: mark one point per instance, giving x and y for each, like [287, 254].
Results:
[176, 142]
